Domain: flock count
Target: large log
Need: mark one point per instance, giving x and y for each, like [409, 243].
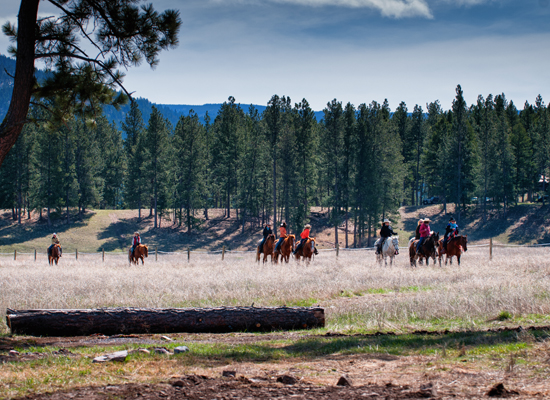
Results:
[112, 321]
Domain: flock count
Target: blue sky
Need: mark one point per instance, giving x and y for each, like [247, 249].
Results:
[415, 51]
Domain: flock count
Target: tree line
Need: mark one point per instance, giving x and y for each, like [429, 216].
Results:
[361, 163]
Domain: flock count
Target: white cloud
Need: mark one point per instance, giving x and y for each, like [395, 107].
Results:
[388, 8]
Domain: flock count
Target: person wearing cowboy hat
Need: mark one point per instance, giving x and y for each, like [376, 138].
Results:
[135, 241]
[450, 232]
[425, 231]
[266, 232]
[385, 232]
[304, 236]
[55, 240]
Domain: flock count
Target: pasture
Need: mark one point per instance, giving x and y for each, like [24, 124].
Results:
[360, 298]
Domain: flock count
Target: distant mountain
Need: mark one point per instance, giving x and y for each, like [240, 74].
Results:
[171, 112]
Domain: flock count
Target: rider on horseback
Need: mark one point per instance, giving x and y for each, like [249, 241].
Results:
[425, 232]
[450, 232]
[267, 231]
[385, 233]
[282, 233]
[304, 236]
[55, 241]
[135, 242]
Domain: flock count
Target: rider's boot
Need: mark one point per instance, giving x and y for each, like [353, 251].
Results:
[315, 251]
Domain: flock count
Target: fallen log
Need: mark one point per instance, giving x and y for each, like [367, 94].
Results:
[112, 321]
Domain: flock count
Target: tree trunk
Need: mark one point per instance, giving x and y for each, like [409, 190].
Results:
[13, 122]
[112, 321]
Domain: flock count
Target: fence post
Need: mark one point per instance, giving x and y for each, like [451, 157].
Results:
[156, 253]
[188, 254]
[103, 254]
[490, 248]
[337, 249]
[34, 254]
[76, 254]
[223, 252]
[14, 255]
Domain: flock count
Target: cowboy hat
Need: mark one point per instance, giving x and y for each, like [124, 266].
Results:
[308, 226]
[136, 233]
[386, 220]
[427, 220]
[452, 219]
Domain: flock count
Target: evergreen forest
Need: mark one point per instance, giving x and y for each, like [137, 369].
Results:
[361, 162]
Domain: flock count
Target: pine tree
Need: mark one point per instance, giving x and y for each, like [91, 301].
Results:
[156, 164]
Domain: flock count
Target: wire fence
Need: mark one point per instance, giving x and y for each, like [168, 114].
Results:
[223, 252]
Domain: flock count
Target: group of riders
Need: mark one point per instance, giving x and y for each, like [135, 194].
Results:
[423, 232]
[304, 236]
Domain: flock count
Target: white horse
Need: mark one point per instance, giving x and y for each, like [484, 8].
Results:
[389, 249]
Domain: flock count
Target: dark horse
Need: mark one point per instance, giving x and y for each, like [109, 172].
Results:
[455, 247]
[285, 249]
[267, 249]
[54, 255]
[140, 252]
[306, 250]
[429, 249]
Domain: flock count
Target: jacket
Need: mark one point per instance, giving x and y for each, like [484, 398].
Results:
[55, 240]
[136, 241]
[386, 231]
[282, 231]
[267, 231]
[425, 230]
[305, 234]
[449, 230]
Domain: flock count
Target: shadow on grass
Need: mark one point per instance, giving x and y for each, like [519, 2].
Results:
[384, 347]
[12, 233]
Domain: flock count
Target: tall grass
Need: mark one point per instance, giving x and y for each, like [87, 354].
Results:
[358, 293]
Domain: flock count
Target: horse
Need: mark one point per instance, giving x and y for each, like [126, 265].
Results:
[140, 252]
[269, 244]
[389, 248]
[285, 249]
[429, 249]
[455, 247]
[54, 255]
[306, 251]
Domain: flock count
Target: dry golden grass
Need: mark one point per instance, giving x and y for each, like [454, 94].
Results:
[358, 293]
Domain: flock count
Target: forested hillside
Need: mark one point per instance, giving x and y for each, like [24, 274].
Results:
[361, 162]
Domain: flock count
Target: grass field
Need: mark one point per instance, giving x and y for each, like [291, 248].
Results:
[359, 294]
[360, 297]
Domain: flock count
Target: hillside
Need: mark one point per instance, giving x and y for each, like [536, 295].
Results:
[112, 230]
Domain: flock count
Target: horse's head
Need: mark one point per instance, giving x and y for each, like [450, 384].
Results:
[146, 251]
[270, 238]
[395, 242]
[291, 239]
[465, 242]
[435, 236]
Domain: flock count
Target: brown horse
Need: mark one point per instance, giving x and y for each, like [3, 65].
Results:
[306, 251]
[285, 249]
[455, 247]
[429, 249]
[269, 244]
[54, 255]
[140, 252]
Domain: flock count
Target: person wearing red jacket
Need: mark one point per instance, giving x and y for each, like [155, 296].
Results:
[425, 232]
[303, 237]
[135, 241]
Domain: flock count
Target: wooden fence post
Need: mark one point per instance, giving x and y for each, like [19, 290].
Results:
[188, 254]
[156, 253]
[76, 254]
[34, 254]
[223, 252]
[337, 249]
[14, 255]
[490, 248]
[103, 254]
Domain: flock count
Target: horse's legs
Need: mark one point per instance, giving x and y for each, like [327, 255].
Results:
[458, 259]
